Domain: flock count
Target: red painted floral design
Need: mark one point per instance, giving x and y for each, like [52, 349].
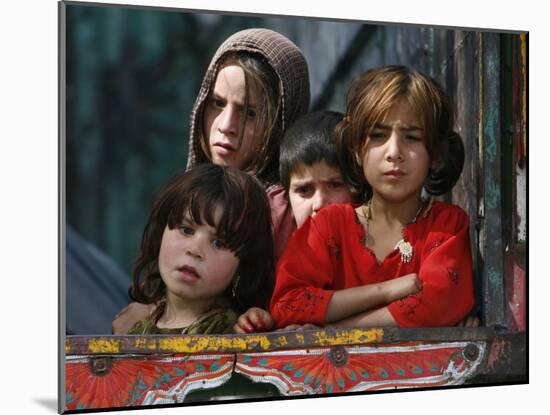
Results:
[128, 379]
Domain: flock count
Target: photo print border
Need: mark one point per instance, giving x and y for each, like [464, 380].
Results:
[128, 80]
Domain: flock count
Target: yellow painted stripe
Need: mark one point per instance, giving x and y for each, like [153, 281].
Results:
[349, 337]
[211, 344]
[104, 346]
[226, 344]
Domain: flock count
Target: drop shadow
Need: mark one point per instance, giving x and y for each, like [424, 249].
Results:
[48, 403]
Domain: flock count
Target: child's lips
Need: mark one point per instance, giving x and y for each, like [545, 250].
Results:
[394, 173]
[224, 149]
[188, 273]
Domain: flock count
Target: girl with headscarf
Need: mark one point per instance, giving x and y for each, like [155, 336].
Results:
[256, 85]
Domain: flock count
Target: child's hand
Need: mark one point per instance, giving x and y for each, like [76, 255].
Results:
[402, 287]
[253, 320]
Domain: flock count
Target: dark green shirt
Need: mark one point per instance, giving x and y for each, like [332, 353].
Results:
[219, 321]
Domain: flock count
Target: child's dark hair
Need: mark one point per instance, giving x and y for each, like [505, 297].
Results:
[245, 227]
[370, 98]
[309, 140]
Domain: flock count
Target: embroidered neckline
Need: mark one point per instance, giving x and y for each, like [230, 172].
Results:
[404, 247]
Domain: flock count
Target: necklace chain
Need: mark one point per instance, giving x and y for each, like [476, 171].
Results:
[405, 248]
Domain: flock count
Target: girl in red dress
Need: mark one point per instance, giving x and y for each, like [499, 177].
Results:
[398, 259]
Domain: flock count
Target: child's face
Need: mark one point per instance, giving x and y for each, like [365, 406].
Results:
[313, 187]
[395, 159]
[194, 263]
[223, 125]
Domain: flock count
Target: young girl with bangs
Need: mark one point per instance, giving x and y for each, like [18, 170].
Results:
[397, 139]
[206, 253]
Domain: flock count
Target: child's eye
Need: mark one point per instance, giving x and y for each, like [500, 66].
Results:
[219, 244]
[303, 190]
[186, 230]
[412, 138]
[377, 136]
[251, 113]
[335, 185]
[217, 102]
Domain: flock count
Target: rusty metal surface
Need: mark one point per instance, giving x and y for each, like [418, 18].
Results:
[506, 361]
[279, 340]
[222, 343]
[444, 358]
[516, 306]
[466, 102]
[493, 264]
[506, 357]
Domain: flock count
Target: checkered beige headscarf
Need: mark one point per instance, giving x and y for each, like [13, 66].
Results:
[287, 61]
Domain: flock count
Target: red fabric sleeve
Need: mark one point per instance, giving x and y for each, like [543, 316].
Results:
[281, 218]
[304, 275]
[446, 274]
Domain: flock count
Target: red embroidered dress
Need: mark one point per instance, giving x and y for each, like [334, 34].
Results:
[327, 254]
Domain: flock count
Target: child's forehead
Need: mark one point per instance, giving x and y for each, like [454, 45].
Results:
[231, 78]
[316, 171]
[215, 214]
[402, 111]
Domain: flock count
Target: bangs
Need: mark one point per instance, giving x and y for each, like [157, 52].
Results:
[375, 100]
[208, 188]
[378, 98]
[433, 111]
[318, 154]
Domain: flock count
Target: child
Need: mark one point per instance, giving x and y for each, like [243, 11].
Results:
[312, 177]
[309, 167]
[399, 127]
[206, 253]
[256, 85]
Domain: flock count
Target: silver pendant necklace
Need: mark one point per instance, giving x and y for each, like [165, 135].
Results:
[405, 249]
[403, 245]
